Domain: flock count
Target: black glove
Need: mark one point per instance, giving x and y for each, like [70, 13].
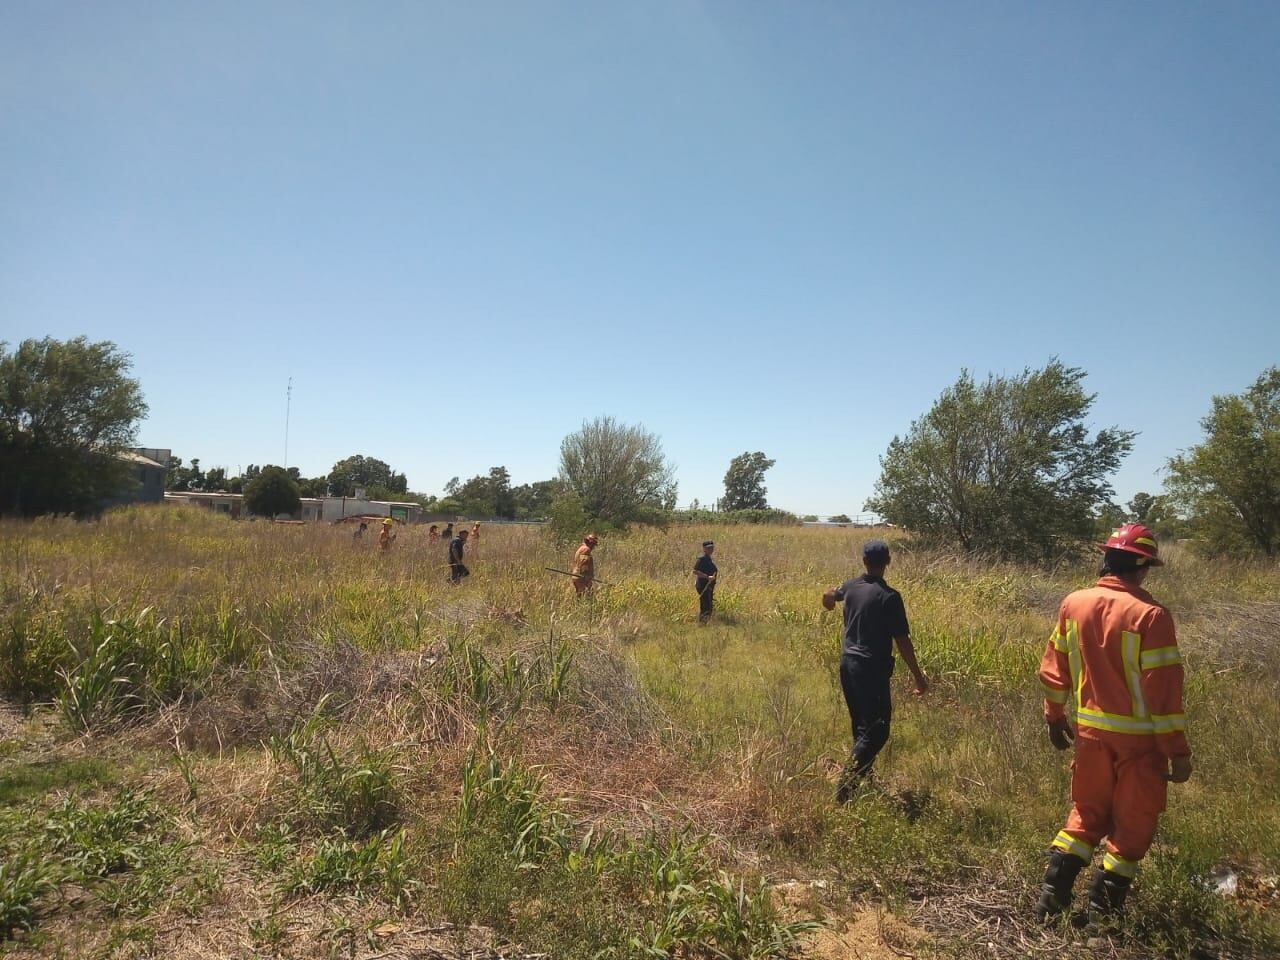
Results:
[1060, 733]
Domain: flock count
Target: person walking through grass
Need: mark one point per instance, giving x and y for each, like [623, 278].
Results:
[583, 571]
[387, 536]
[1114, 654]
[705, 573]
[875, 619]
[457, 547]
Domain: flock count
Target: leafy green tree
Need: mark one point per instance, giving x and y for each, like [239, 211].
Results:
[810, 518]
[67, 408]
[533, 500]
[840, 518]
[449, 507]
[570, 519]
[618, 473]
[1108, 518]
[485, 496]
[313, 486]
[1229, 483]
[1159, 512]
[360, 471]
[744, 482]
[272, 493]
[1142, 507]
[181, 479]
[1006, 466]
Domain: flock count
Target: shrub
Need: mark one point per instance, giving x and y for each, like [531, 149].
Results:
[375, 867]
[94, 841]
[355, 795]
[25, 876]
[515, 866]
[771, 515]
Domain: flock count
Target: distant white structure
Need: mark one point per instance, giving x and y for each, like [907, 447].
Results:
[232, 504]
[311, 509]
[338, 508]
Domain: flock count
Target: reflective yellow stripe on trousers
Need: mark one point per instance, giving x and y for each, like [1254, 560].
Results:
[1069, 844]
[1120, 866]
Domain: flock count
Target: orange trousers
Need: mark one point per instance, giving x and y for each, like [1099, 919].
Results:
[1118, 791]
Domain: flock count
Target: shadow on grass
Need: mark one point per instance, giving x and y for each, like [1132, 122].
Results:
[23, 781]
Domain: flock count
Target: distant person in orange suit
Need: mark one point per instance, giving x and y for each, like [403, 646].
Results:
[583, 570]
[387, 537]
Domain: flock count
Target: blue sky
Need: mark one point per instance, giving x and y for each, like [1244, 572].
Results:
[464, 228]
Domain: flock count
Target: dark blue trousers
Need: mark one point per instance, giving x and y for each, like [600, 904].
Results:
[866, 692]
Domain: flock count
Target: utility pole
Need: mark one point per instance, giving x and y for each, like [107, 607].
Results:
[288, 403]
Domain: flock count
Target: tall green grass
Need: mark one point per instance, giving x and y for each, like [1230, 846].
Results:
[112, 624]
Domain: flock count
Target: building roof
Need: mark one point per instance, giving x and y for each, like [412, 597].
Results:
[221, 495]
[131, 457]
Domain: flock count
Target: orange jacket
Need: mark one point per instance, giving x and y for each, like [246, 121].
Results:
[584, 565]
[1115, 651]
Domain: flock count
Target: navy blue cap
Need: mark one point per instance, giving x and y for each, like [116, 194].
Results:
[875, 550]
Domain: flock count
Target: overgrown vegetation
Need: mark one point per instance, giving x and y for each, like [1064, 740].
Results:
[1005, 466]
[1230, 482]
[766, 515]
[121, 849]
[744, 487]
[613, 474]
[67, 407]
[515, 856]
[247, 733]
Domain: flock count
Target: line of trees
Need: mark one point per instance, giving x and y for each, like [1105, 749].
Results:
[1009, 467]
[1004, 466]
[487, 495]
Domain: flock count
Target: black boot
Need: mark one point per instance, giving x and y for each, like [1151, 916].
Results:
[1107, 895]
[1059, 878]
[850, 780]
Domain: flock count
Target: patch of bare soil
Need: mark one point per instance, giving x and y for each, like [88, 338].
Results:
[869, 935]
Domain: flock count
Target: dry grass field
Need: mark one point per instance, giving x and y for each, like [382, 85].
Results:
[226, 739]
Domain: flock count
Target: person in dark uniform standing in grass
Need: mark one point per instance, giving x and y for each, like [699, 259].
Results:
[457, 569]
[704, 581]
[875, 618]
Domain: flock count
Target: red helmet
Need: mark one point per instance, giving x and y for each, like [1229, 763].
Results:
[1135, 538]
[591, 539]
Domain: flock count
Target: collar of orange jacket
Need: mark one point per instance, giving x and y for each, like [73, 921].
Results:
[1112, 582]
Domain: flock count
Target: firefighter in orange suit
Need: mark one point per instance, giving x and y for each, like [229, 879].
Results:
[1114, 654]
[584, 565]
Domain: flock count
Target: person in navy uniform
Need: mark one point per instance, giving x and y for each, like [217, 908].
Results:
[704, 581]
[875, 619]
[457, 569]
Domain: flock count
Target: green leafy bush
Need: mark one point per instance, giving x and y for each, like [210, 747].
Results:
[377, 866]
[769, 515]
[25, 875]
[353, 794]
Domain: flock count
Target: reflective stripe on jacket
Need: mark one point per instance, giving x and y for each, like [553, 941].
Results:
[1114, 653]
